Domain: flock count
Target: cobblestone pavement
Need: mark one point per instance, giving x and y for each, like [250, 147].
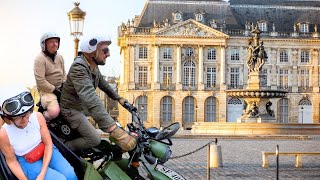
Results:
[242, 159]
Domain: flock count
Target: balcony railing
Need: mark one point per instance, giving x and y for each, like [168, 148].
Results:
[287, 88]
[142, 86]
[305, 89]
[166, 86]
[231, 86]
[266, 34]
[211, 87]
[141, 30]
[189, 87]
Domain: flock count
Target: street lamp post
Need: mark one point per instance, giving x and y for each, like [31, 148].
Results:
[76, 20]
[196, 120]
[142, 113]
[302, 114]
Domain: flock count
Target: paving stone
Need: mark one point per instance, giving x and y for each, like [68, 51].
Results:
[242, 159]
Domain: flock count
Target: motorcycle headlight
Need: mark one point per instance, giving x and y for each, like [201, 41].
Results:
[160, 151]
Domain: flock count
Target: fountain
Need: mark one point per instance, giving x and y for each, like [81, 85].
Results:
[256, 97]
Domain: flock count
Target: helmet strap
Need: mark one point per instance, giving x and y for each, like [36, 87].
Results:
[51, 56]
[90, 58]
[95, 61]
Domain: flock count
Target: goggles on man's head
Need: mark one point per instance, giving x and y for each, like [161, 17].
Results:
[17, 105]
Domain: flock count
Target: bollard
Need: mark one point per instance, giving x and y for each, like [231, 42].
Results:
[277, 156]
[215, 155]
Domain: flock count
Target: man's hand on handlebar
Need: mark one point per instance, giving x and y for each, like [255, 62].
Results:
[124, 140]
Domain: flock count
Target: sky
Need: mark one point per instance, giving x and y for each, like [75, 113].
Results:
[22, 23]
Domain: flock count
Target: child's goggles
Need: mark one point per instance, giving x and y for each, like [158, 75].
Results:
[17, 105]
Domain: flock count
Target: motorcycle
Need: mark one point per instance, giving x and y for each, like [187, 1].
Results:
[152, 151]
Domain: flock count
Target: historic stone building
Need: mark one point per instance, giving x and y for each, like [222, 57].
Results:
[179, 57]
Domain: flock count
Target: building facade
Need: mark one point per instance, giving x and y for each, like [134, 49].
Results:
[180, 56]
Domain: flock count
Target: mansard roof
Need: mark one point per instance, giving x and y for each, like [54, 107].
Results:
[314, 3]
[235, 13]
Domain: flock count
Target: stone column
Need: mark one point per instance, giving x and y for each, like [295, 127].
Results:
[178, 82]
[222, 68]
[122, 65]
[245, 67]
[315, 71]
[200, 78]
[156, 84]
[131, 59]
[294, 78]
[294, 70]
[274, 75]
[200, 110]
[222, 107]
[178, 111]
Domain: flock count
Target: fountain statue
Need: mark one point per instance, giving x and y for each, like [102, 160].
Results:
[257, 104]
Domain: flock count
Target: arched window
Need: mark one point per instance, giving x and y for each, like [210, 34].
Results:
[263, 26]
[166, 109]
[177, 16]
[304, 27]
[199, 17]
[142, 104]
[283, 108]
[305, 102]
[189, 74]
[210, 105]
[188, 109]
[234, 101]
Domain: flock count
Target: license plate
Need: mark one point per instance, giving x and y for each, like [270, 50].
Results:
[169, 172]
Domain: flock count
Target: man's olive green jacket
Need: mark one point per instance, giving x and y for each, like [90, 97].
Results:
[79, 91]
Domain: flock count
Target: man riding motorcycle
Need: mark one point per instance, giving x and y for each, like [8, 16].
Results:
[79, 98]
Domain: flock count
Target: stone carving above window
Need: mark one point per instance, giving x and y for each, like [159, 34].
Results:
[191, 28]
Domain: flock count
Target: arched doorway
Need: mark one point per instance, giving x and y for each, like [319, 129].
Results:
[283, 110]
[234, 109]
[305, 111]
[211, 109]
[188, 111]
[166, 111]
[142, 104]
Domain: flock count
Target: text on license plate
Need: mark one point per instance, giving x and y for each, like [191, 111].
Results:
[168, 172]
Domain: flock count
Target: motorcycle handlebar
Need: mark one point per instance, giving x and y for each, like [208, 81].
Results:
[130, 107]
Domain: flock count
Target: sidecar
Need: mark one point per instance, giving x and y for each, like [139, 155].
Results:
[83, 169]
[74, 160]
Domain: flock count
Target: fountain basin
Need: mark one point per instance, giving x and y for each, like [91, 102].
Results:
[259, 93]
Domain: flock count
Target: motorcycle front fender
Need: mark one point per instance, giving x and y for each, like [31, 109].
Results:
[113, 172]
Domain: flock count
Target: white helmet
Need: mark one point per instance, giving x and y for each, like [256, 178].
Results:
[89, 45]
[15, 100]
[46, 36]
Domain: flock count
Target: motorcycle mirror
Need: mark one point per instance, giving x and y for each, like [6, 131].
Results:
[152, 131]
[169, 131]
